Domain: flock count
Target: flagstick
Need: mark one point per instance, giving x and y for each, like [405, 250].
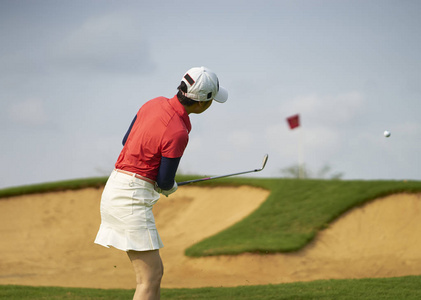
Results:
[300, 154]
[294, 122]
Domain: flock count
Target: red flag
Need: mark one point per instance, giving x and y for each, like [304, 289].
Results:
[294, 121]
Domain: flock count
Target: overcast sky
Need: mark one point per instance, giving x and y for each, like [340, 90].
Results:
[74, 73]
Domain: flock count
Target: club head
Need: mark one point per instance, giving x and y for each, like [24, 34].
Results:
[265, 159]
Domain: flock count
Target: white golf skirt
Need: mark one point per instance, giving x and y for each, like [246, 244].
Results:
[127, 221]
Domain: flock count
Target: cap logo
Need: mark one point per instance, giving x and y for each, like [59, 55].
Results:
[189, 79]
[209, 95]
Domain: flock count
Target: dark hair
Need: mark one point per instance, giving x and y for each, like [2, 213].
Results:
[182, 88]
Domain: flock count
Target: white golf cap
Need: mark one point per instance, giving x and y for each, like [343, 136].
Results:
[203, 85]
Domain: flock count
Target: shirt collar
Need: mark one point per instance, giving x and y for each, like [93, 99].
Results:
[181, 111]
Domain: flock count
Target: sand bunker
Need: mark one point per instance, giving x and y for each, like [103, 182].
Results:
[47, 239]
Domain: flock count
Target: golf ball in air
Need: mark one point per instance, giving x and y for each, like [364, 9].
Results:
[386, 133]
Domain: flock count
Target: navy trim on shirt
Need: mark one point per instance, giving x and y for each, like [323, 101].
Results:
[128, 131]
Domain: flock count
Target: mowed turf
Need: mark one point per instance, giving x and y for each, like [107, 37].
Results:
[406, 288]
[287, 221]
[293, 213]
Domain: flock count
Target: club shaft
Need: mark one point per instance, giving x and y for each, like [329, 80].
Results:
[215, 177]
[227, 175]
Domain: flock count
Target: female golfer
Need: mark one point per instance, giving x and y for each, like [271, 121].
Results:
[146, 168]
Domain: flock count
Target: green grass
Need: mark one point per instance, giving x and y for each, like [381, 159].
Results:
[406, 288]
[293, 213]
[76, 184]
[287, 221]
[290, 218]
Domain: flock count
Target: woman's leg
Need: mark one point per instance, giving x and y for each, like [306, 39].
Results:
[149, 270]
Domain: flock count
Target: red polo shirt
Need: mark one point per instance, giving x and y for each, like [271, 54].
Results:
[161, 128]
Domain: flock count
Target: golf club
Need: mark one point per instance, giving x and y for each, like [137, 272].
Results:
[265, 159]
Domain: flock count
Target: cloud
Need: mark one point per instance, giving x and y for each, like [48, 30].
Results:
[325, 121]
[325, 110]
[30, 112]
[108, 43]
[240, 139]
